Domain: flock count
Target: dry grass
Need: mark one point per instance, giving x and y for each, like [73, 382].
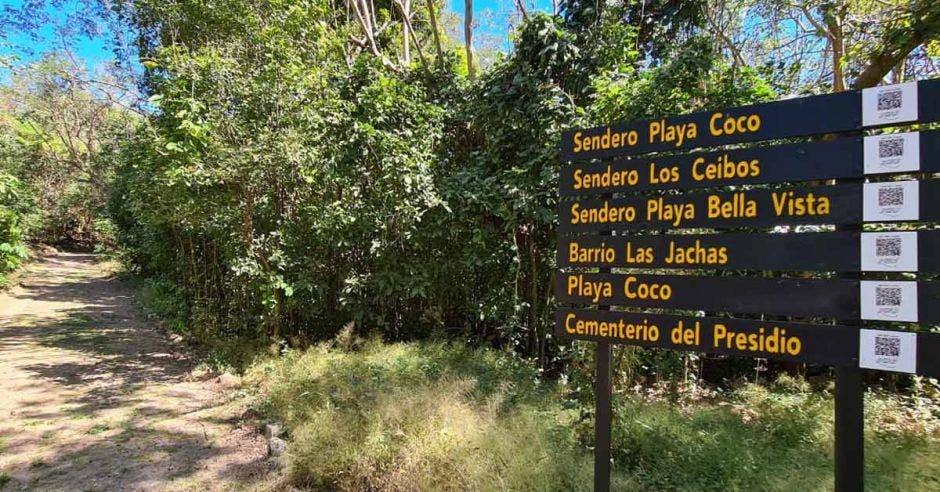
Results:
[421, 417]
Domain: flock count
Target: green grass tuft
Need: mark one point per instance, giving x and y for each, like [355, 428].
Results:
[763, 439]
[434, 416]
[421, 417]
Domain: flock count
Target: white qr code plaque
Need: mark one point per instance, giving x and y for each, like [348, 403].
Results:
[889, 104]
[888, 350]
[892, 153]
[893, 200]
[889, 251]
[887, 300]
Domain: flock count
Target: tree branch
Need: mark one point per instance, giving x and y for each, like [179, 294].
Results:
[898, 42]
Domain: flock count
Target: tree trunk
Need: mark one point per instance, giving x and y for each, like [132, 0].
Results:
[468, 37]
[432, 14]
[834, 22]
[406, 28]
[896, 44]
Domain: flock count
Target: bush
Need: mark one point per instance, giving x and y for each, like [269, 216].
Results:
[13, 202]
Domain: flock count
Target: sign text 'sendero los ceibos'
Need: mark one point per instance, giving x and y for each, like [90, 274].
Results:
[841, 158]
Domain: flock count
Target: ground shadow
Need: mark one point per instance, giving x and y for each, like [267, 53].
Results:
[103, 369]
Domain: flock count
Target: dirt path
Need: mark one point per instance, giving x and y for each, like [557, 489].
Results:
[94, 397]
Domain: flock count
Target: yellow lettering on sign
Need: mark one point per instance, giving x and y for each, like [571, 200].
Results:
[719, 124]
[639, 255]
[642, 331]
[737, 207]
[604, 141]
[696, 255]
[792, 204]
[595, 254]
[658, 209]
[634, 289]
[605, 214]
[578, 286]
[605, 179]
[724, 168]
[663, 175]
[662, 132]
[775, 342]
[682, 335]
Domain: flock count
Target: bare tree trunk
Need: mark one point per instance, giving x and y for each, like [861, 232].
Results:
[897, 74]
[406, 30]
[411, 31]
[468, 37]
[432, 14]
[365, 15]
[834, 22]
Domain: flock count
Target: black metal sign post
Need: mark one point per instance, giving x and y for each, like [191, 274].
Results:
[661, 158]
[603, 354]
[602, 416]
[849, 408]
[849, 430]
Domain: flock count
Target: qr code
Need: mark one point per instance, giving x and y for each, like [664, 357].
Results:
[891, 147]
[889, 100]
[887, 296]
[887, 346]
[888, 246]
[891, 196]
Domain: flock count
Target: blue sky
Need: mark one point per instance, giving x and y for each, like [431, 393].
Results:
[501, 10]
[492, 16]
[27, 49]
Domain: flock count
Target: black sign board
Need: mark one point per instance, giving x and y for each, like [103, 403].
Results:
[830, 113]
[828, 298]
[643, 192]
[779, 340]
[807, 161]
[840, 204]
[900, 251]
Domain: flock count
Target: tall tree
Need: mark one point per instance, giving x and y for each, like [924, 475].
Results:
[66, 116]
[816, 45]
[435, 30]
[919, 27]
[468, 37]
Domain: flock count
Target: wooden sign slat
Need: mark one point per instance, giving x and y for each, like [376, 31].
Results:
[840, 204]
[827, 298]
[898, 251]
[806, 161]
[777, 340]
[829, 113]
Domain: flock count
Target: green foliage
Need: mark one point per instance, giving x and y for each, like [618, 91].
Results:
[57, 123]
[14, 203]
[763, 440]
[289, 188]
[162, 299]
[697, 79]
